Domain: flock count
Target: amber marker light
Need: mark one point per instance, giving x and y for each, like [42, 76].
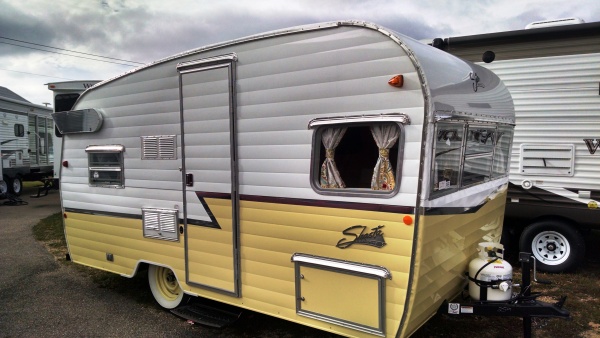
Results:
[408, 220]
[397, 81]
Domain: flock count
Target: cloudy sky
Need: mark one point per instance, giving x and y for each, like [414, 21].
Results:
[132, 32]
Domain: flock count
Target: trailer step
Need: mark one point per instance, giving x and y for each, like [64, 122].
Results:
[210, 315]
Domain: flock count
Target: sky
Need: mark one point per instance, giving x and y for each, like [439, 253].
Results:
[133, 32]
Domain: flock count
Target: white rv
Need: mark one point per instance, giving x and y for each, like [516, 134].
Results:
[553, 74]
[337, 175]
[65, 94]
[25, 142]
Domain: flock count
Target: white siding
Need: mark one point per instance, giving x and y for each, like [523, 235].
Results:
[556, 102]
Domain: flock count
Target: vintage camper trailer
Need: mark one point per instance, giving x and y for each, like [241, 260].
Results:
[65, 94]
[552, 74]
[25, 142]
[337, 175]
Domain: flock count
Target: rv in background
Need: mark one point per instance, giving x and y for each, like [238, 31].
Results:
[65, 95]
[553, 74]
[26, 144]
[338, 175]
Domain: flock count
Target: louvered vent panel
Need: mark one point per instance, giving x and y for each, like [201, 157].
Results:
[166, 147]
[549, 160]
[160, 223]
[159, 147]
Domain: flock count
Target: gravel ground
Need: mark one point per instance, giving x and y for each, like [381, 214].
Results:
[41, 297]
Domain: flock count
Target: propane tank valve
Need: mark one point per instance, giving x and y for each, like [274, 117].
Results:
[504, 286]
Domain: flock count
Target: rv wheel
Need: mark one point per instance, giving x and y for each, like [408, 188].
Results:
[557, 246]
[16, 186]
[3, 188]
[165, 287]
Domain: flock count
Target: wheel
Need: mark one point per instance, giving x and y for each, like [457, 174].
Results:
[16, 186]
[165, 287]
[3, 188]
[557, 246]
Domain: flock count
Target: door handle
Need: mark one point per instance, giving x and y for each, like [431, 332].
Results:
[189, 179]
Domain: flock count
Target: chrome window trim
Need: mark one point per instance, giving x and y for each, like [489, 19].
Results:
[400, 118]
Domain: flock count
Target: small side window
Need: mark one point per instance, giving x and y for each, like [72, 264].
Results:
[448, 154]
[19, 130]
[357, 158]
[105, 166]
[478, 155]
[503, 143]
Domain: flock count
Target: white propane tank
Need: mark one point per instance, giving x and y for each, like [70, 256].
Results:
[499, 272]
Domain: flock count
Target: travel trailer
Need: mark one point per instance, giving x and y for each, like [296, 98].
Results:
[338, 175]
[65, 94]
[552, 74]
[25, 142]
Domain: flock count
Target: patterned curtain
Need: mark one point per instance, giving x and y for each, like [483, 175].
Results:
[385, 137]
[330, 176]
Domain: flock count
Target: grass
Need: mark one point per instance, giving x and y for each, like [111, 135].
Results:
[581, 287]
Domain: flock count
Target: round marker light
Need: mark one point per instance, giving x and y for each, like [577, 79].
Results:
[408, 220]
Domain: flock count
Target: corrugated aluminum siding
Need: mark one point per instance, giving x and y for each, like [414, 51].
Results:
[557, 101]
[283, 83]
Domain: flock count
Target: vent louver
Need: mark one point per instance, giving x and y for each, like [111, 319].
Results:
[159, 147]
[160, 223]
[549, 160]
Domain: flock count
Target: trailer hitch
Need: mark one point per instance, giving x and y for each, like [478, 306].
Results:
[524, 304]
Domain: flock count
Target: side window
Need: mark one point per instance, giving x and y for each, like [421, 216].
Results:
[358, 158]
[478, 155]
[469, 154]
[19, 130]
[448, 155]
[105, 166]
[503, 141]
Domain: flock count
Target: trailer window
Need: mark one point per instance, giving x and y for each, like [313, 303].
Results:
[357, 158]
[478, 155]
[19, 130]
[105, 166]
[503, 143]
[448, 153]
[466, 155]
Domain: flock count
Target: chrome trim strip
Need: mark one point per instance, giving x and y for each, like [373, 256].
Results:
[390, 117]
[367, 269]
[105, 148]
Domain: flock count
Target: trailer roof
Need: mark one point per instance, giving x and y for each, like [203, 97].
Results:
[533, 34]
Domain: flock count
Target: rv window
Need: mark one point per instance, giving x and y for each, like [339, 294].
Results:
[478, 155]
[19, 130]
[357, 158]
[106, 166]
[466, 155]
[502, 151]
[448, 154]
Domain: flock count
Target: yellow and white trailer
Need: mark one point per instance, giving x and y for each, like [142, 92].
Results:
[337, 175]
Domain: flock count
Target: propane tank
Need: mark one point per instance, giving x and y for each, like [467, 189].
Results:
[491, 272]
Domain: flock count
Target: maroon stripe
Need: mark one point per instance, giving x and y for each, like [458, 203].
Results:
[218, 195]
[330, 204]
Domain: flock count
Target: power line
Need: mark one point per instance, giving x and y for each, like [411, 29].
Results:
[68, 50]
[54, 77]
[76, 56]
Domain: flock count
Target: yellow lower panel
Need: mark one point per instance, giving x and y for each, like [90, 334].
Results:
[90, 238]
[445, 246]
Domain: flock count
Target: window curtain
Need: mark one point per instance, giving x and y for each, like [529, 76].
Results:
[330, 176]
[385, 137]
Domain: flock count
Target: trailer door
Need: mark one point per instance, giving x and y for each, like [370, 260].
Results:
[207, 94]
